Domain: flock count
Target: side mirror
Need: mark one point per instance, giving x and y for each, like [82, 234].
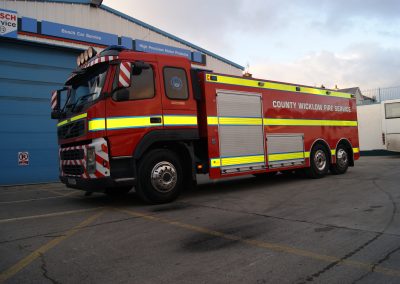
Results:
[142, 65]
[56, 114]
[125, 72]
[121, 95]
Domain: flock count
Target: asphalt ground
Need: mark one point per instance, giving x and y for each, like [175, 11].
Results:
[284, 229]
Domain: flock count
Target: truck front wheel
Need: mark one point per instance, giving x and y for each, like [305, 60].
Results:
[160, 177]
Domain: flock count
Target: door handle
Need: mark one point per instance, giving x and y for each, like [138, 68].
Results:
[155, 119]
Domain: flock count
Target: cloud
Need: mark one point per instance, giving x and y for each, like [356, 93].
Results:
[366, 65]
[304, 41]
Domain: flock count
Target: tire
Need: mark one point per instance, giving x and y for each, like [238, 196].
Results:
[319, 162]
[160, 177]
[342, 161]
[117, 191]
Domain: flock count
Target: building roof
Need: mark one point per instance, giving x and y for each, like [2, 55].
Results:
[351, 90]
[356, 91]
[150, 27]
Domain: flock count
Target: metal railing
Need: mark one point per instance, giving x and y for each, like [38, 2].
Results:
[381, 94]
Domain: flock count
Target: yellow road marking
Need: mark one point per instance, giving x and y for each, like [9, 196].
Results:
[60, 195]
[10, 272]
[48, 215]
[27, 200]
[266, 245]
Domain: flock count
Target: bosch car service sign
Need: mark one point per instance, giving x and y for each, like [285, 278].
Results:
[8, 23]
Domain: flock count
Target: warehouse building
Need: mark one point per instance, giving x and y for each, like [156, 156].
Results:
[39, 43]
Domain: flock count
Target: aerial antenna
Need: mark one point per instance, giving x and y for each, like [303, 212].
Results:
[247, 73]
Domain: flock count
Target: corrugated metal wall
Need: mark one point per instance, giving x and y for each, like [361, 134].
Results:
[28, 73]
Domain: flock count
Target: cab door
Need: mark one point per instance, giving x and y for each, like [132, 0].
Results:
[138, 112]
[178, 103]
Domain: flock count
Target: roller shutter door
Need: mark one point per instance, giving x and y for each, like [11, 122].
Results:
[28, 73]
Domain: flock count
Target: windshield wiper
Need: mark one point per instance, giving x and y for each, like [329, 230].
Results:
[74, 105]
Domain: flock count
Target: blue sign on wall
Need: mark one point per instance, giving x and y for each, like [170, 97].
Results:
[8, 23]
[28, 25]
[80, 34]
[152, 47]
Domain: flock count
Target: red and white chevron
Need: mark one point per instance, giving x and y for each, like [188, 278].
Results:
[102, 160]
[53, 100]
[124, 74]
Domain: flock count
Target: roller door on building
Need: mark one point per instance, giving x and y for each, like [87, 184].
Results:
[28, 143]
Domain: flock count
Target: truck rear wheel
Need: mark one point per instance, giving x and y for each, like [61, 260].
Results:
[342, 161]
[319, 162]
[160, 177]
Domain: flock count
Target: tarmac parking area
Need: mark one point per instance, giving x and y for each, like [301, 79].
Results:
[284, 229]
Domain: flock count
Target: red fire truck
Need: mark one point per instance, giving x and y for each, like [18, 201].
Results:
[151, 121]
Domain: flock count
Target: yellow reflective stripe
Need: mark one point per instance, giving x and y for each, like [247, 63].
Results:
[212, 120]
[97, 124]
[308, 122]
[130, 122]
[180, 120]
[285, 156]
[71, 119]
[239, 121]
[233, 161]
[273, 86]
[215, 163]
[115, 123]
[356, 150]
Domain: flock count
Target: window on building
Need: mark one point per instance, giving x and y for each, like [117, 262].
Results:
[392, 110]
[175, 83]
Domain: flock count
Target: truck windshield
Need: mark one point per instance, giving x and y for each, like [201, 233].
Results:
[85, 88]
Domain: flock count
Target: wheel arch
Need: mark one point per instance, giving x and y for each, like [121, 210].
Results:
[178, 141]
[321, 141]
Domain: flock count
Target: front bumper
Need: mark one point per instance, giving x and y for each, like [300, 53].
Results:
[95, 185]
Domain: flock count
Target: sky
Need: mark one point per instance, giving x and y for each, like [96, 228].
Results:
[331, 42]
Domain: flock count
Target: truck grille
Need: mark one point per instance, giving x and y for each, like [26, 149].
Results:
[73, 170]
[76, 154]
[71, 130]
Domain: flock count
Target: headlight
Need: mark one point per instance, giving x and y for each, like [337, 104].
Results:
[91, 160]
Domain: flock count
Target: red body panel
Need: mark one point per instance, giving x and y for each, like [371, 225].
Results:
[330, 134]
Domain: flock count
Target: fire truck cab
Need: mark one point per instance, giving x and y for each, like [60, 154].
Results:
[151, 121]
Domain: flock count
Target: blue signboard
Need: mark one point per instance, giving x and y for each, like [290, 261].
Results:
[80, 34]
[8, 23]
[152, 47]
[28, 25]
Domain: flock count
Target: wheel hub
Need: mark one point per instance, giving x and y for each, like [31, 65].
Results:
[164, 177]
[320, 160]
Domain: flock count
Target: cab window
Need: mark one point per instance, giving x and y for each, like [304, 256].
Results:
[142, 84]
[175, 83]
